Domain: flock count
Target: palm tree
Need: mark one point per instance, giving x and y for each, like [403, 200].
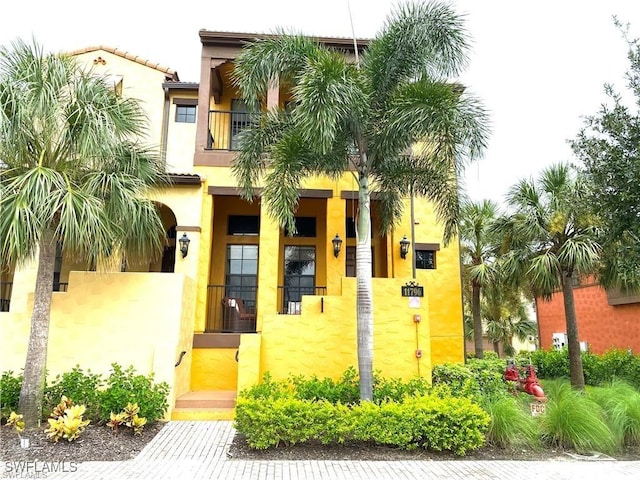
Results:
[364, 117]
[70, 173]
[478, 251]
[549, 240]
[505, 313]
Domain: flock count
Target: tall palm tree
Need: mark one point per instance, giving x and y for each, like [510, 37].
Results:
[549, 239]
[364, 117]
[505, 312]
[71, 173]
[478, 250]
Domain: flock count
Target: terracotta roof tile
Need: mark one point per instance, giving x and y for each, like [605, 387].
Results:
[129, 56]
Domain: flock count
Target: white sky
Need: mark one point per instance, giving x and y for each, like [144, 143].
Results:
[538, 66]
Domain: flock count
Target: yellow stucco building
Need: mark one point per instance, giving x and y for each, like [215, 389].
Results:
[244, 298]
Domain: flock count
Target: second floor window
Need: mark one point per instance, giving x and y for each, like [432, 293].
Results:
[185, 113]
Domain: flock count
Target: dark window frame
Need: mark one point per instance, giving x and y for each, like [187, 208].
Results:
[186, 113]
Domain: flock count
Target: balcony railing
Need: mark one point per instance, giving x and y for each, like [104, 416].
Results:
[5, 295]
[225, 128]
[291, 303]
[231, 309]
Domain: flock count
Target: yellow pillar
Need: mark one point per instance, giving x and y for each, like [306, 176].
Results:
[335, 225]
[269, 255]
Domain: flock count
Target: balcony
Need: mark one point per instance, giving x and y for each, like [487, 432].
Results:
[225, 128]
[291, 298]
[231, 309]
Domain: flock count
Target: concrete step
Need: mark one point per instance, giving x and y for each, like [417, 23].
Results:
[211, 399]
[195, 414]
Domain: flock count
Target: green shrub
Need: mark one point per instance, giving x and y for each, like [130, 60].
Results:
[83, 388]
[397, 389]
[458, 377]
[9, 393]
[598, 369]
[621, 405]
[125, 386]
[489, 375]
[268, 388]
[551, 363]
[452, 424]
[346, 390]
[572, 420]
[511, 424]
[269, 422]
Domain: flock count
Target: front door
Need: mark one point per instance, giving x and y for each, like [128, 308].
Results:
[299, 276]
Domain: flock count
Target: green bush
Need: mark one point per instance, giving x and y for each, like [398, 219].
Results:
[125, 386]
[621, 405]
[346, 390]
[452, 424]
[267, 388]
[269, 422]
[82, 388]
[458, 377]
[551, 363]
[572, 420]
[598, 369]
[397, 389]
[511, 424]
[9, 393]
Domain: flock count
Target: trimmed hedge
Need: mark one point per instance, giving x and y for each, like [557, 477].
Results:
[452, 424]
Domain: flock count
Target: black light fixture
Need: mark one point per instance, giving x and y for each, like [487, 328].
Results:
[337, 245]
[184, 245]
[404, 247]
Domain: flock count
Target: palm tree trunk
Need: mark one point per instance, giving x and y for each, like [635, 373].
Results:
[34, 376]
[477, 319]
[364, 291]
[573, 342]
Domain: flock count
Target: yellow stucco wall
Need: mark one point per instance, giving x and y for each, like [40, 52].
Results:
[139, 319]
[214, 369]
[138, 81]
[181, 137]
[322, 340]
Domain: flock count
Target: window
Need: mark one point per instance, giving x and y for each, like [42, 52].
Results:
[305, 227]
[426, 259]
[185, 113]
[242, 274]
[239, 121]
[299, 275]
[243, 225]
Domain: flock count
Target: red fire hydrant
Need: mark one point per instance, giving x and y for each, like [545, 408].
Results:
[525, 379]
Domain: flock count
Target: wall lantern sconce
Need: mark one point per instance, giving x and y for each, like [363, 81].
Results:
[184, 245]
[404, 247]
[337, 245]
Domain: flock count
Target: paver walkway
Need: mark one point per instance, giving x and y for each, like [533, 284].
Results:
[197, 450]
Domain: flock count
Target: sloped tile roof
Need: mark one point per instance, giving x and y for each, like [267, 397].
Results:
[129, 56]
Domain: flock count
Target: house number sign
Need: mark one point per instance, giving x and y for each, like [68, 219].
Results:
[412, 289]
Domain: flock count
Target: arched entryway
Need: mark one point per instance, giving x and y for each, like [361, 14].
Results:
[168, 261]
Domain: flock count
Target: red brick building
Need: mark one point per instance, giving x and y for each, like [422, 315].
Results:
[606, 320]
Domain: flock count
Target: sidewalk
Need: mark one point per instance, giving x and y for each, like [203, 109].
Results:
[197, 450]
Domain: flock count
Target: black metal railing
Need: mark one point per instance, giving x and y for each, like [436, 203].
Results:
[291, 298]
[231, 309]
[225, 128]
[5, 295]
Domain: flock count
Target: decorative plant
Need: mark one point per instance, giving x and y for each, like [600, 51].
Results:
[66, 421]
[128, 417]
[15, 421]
